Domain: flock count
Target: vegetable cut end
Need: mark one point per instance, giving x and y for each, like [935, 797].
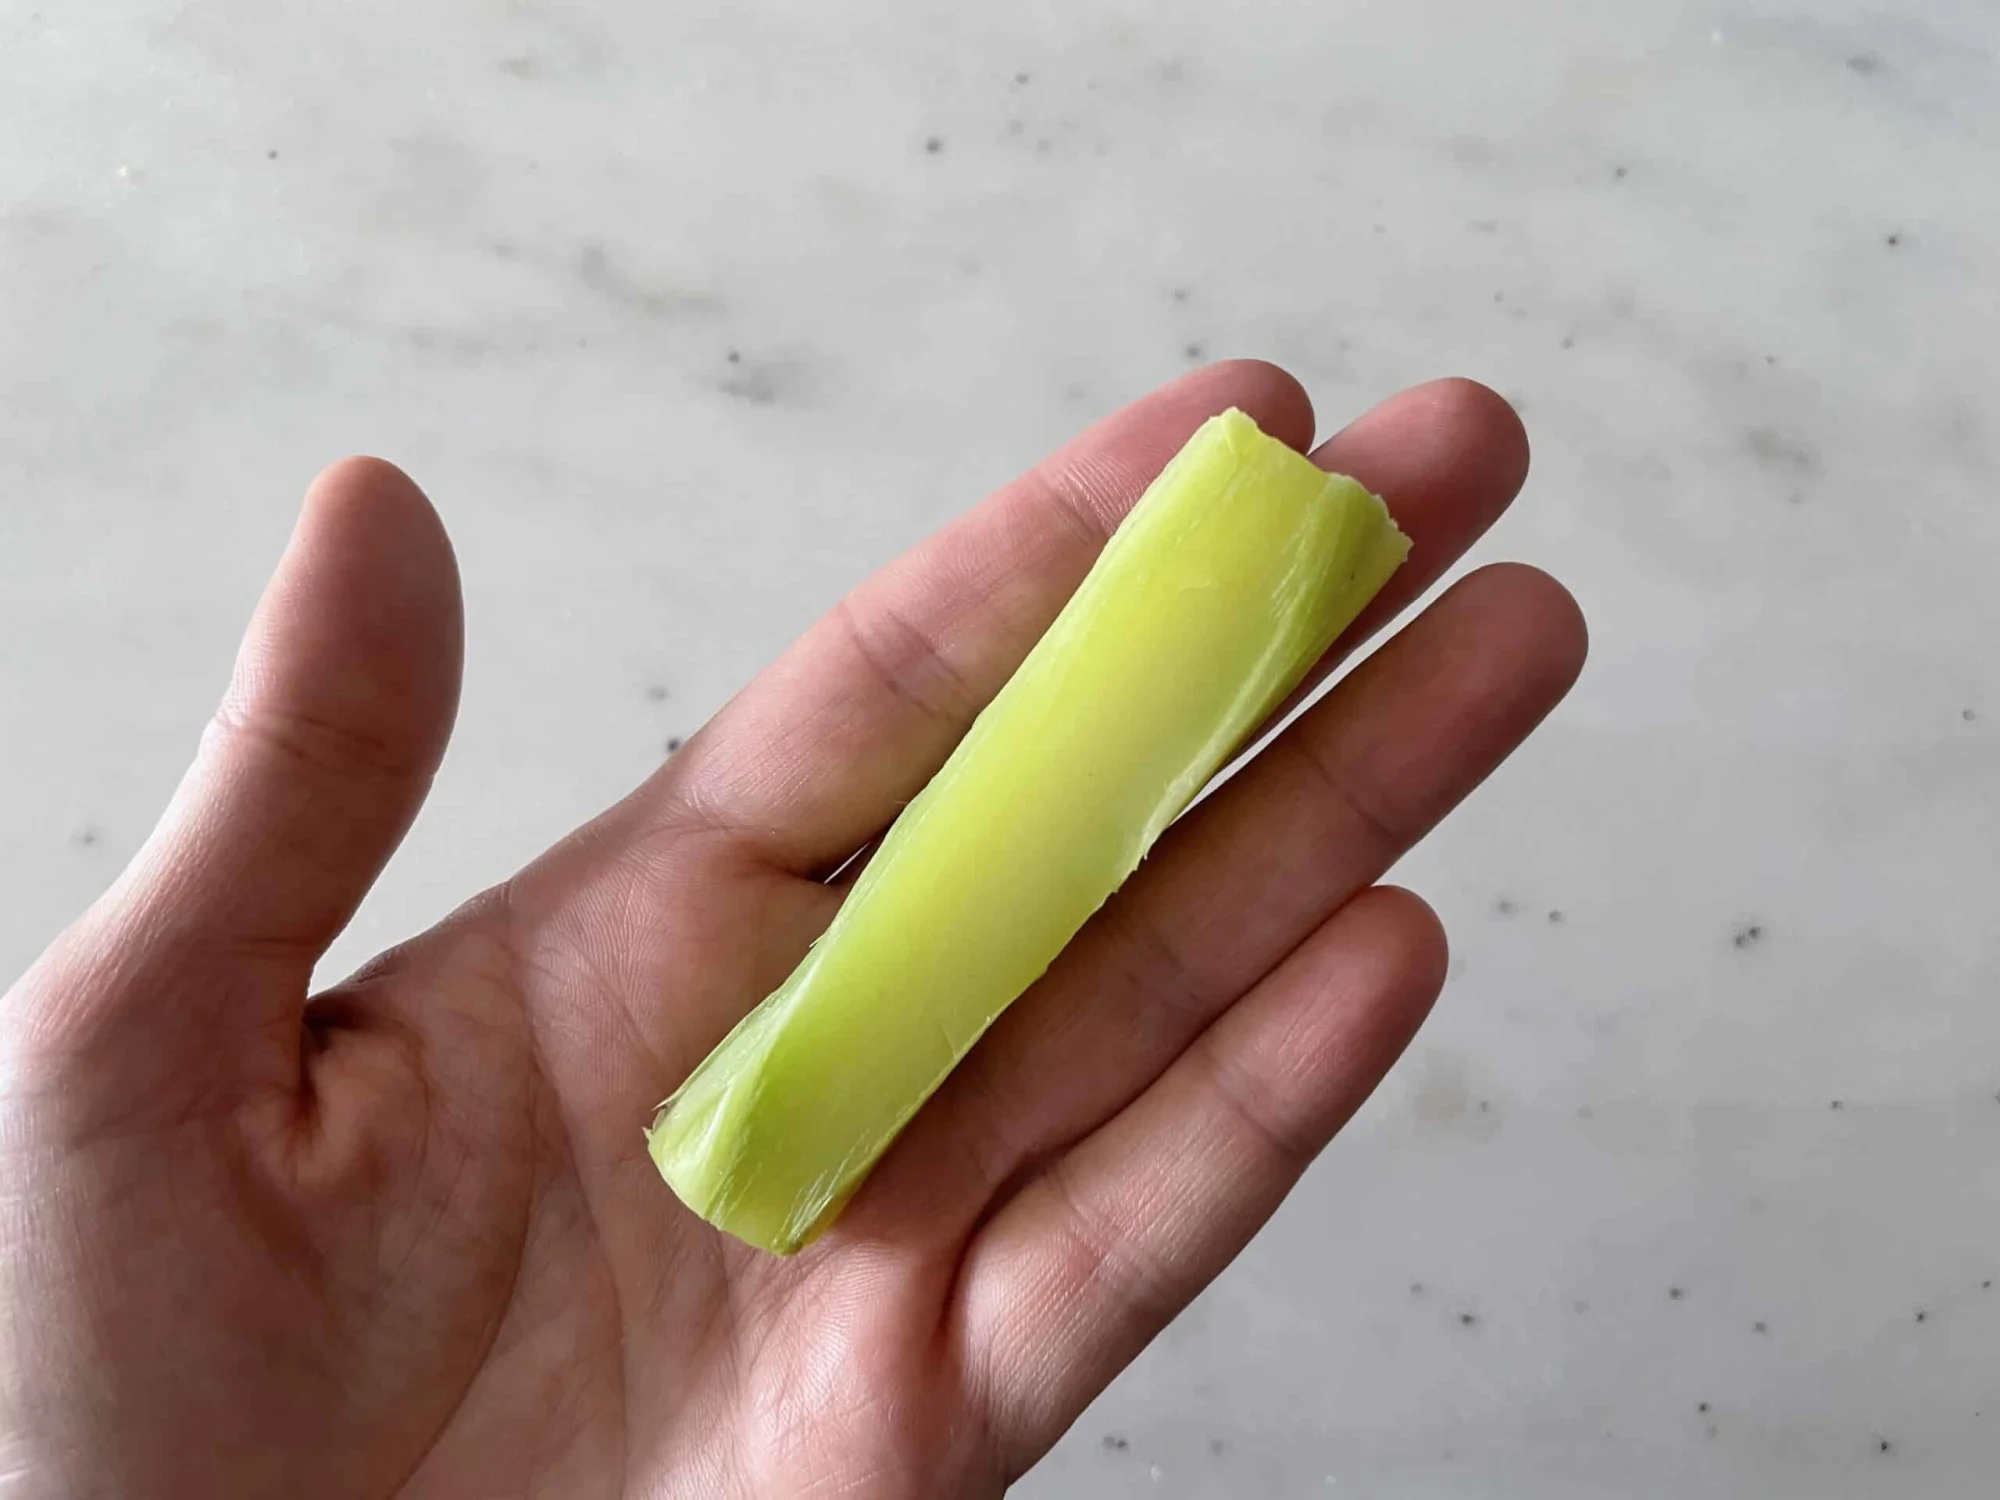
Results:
[1233, 574]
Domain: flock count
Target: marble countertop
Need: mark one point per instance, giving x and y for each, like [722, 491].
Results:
[688, 317]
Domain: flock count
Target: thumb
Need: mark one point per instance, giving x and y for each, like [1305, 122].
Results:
[308, 777]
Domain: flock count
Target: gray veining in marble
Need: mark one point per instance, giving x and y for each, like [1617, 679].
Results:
[689, 315]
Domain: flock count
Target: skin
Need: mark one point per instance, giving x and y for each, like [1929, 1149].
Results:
[402, 1238]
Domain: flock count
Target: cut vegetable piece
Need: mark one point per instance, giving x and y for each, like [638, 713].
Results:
[1228, 580]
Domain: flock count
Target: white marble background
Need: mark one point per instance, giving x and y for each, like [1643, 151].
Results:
[1738, 263]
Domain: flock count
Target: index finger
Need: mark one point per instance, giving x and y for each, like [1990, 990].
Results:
[818, 754]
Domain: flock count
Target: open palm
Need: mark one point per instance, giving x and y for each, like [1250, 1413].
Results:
[403, 1237]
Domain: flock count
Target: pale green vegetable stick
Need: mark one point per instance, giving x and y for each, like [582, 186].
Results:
[1230, 577]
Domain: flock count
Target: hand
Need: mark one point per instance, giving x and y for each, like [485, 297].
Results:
[402, 1237]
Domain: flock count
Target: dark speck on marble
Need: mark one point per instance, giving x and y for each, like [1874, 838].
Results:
[271, 155]
[1760, 1326]
[1837, 1104]
[1883, 1445]
[1116, 1442]
[86, 837]
[1676, 1293]
[1195, 352]
[1569, 343]
[1467, 1320]
[657, 693]
[1702, 1407]
[1893, 241]
[1968, 716]
[1180, 294]
[1555, 917]
[674, 743]
[1416, 1289]
[1620, 173]
[1505, 907]
[1022, 78]
[1748, 936]
[1864, 63]
[1217, 1446]
[934, 145]
[1922, 1316]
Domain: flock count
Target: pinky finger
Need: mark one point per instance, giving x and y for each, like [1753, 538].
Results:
[1073, 1278]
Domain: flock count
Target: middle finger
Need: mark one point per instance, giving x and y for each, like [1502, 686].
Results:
[1243, 879]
